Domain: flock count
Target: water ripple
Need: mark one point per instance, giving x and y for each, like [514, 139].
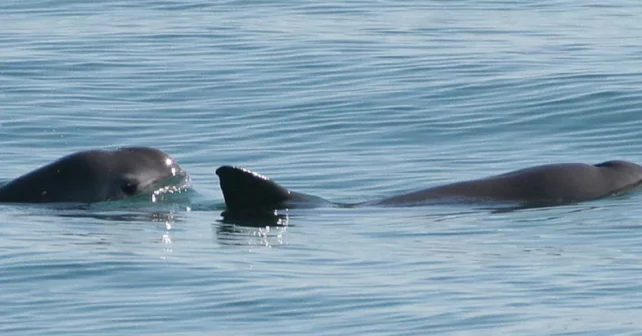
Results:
[349, 101]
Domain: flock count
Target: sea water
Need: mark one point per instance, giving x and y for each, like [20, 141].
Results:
[351, 101]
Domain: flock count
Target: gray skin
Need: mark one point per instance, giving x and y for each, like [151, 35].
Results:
[95, 176]
[546, 185]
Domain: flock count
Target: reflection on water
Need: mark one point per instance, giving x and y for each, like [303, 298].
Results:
[106, 225]
[256, 218]
[166, 238]
[266, 230]
[122, 216]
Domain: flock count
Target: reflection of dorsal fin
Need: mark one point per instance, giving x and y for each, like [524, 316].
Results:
[245, 190]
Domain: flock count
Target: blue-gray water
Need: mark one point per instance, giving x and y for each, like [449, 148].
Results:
[347, 100]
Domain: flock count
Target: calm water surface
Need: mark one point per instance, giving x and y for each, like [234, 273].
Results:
[347, 100]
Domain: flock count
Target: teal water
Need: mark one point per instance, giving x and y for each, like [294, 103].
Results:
[347, 100]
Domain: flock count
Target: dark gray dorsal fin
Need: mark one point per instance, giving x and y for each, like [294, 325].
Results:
[247, 190]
